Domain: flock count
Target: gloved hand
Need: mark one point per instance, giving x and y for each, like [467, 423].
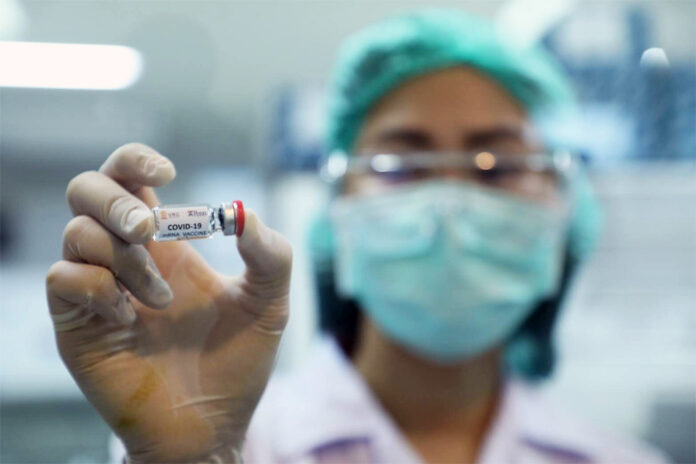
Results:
[173, 355]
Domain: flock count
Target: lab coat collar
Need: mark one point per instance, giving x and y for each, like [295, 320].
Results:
[337, 407]
[545, 426]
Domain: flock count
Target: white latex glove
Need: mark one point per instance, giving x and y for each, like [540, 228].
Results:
[173, 355]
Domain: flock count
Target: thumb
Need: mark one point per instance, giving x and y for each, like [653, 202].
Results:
[267, 255]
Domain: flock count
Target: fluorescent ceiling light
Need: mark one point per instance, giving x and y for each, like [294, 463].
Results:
[68, 66]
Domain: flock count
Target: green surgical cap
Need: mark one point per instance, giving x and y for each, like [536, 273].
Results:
[379, 58]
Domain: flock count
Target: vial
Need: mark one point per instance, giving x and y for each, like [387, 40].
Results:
[186, 222]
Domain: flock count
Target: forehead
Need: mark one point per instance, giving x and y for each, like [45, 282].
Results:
[454, 99]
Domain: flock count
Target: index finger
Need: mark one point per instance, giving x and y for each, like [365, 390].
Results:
[111, 195]
[135, 165]
[94, 194]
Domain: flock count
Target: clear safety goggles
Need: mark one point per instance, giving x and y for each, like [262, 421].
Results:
[544, 178]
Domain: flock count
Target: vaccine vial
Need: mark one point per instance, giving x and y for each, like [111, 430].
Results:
[186, 222]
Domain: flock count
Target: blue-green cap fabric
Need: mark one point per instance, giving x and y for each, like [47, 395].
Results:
[382, 56]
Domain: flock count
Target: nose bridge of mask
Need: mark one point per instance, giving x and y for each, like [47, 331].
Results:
[467, 213]
[423, 215]
[411, 220]
[483, 222]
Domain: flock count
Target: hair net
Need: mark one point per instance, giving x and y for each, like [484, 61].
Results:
[378, 59]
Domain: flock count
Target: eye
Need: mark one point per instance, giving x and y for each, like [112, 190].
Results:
[404, 174]
[495, 175]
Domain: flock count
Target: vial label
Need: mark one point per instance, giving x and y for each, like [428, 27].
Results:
[183, 223]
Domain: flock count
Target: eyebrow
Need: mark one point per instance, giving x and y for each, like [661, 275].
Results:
[421, 139]
[408, 136]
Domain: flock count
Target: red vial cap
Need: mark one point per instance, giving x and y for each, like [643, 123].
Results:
[239, 219]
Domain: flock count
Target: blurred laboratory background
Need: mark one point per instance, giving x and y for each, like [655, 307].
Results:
[232, 92]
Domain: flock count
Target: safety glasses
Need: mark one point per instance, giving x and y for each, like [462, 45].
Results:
[543, 178]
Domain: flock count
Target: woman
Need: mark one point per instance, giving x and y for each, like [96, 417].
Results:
[441, 264]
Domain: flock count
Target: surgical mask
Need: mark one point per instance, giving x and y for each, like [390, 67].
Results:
[447, 269]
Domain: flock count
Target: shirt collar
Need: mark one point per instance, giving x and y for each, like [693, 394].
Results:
[335, 404]
[546, 427]
[328, 402]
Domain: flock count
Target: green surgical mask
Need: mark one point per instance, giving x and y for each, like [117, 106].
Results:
[447, 269]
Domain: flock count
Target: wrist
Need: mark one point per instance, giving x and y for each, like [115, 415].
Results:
[223, 455]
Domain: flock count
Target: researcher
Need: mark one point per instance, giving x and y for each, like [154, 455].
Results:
[455, 227]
